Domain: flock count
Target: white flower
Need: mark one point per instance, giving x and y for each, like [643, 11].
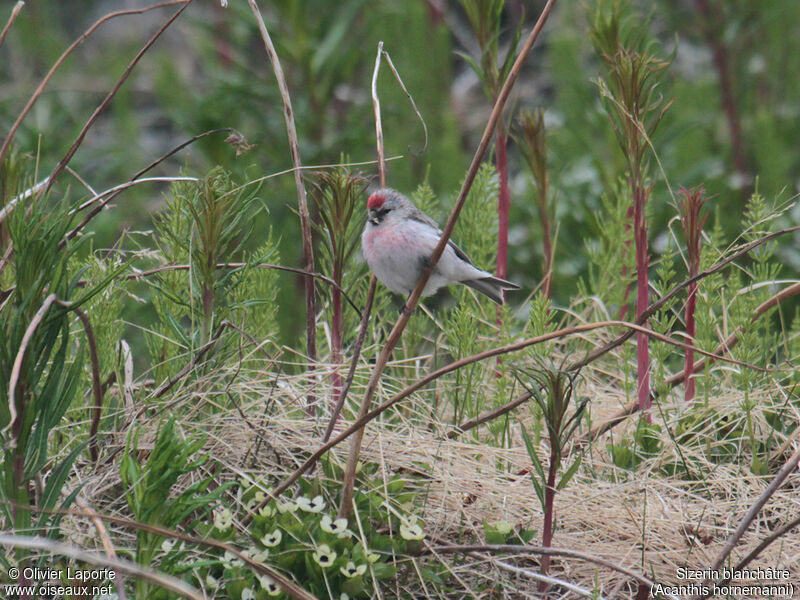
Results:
[260, 555]
[411, 531]
[324, 556]
[267, 511]
[211, 581]
[338, 527]
[312, 505]
[288, 506]
[248, 594]
[223, 518]
[167, 545]
[344, 596]
[272, 539]
[351, 570]
[372, 557]
[256, 500]
[230, 560]
[269, 586]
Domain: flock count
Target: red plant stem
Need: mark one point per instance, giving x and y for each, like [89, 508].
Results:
[222, 45]
[336, 335]
[503, 201]
[688, 368]
[623, 309]
[547, 526]
[503, 206]
[642, 260]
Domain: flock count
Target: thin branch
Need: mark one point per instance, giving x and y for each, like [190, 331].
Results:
[413, 299]
[116, 190]
[487, 416]
[777, 534]
[366, 417]
[97, 388]
[410, 99]
[302, 205]
[40, 89]
[320, 276]
[288, 586]
[586, 593]
[12, 17]
[17, 367]
[167, 582]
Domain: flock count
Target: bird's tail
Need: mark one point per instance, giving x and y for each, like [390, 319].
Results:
[492, 287]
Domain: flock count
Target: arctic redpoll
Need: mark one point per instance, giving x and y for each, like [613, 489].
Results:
[398, 241]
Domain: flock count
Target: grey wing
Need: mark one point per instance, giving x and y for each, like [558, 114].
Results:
[420, 216]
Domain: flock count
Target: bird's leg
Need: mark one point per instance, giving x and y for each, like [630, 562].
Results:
[405, 311]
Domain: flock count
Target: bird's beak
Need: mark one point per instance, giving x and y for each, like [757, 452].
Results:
[372, 218]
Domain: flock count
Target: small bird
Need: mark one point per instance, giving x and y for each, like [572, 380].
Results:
[398, 241]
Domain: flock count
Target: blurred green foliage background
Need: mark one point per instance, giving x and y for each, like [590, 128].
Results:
[735, 122]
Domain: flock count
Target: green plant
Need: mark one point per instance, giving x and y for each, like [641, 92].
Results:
[692, 221]
[552, 389]
[41, 360]
[635, 109]
[532, 140]
[337, 197]
[204, 229]
[297, 533]
[484, 17]
[150, 492]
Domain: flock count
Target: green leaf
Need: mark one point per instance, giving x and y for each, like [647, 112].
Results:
[565, 478]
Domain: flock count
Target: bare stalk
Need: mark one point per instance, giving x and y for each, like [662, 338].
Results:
[362, 332]
[302, 205]
[11, 18]
[105, 539]
[565, 552]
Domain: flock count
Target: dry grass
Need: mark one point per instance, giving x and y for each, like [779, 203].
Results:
[642, 520]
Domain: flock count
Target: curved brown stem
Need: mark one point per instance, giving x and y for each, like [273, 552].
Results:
[413, 299]
[302, 205]
[97, 386]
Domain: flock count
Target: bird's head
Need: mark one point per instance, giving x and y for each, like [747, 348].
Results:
[386, 202]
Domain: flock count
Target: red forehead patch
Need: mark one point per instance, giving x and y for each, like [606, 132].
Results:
[375, 201]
